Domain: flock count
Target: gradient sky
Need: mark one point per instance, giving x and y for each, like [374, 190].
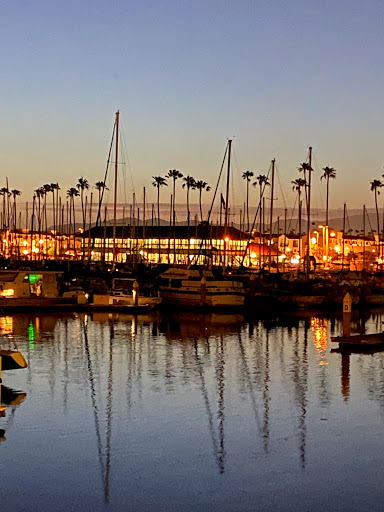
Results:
[186, 75]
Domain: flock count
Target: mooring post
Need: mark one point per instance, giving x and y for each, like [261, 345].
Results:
[347, 314]
[203, 291]
[135, 293]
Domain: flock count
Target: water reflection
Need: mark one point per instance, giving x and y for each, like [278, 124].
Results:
[10, 400]
[207, 397]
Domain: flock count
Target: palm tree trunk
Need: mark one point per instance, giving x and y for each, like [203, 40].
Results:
[158, 218]
[378, 222]
[247, 205]
[69, 224]
[326, 207]
[174, 220]
[188, 221]
[299, 229]
[82, 207]
[260, 257]
[74, 225]
[45, 213]
[201, 210]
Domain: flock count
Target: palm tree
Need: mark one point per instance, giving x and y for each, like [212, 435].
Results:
[4, 192]
[247, 175]
[47, 189]
[82, 185]
[375, 185]
[15, 193]
[189, 183]
[298, 184]
[202, 185]
[72, 193]
[100, 186]
[174, 175]
[329, 173]
[159, 181]
[54, 187]
[39, 192]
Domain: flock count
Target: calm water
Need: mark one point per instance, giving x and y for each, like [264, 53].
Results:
[190, 412]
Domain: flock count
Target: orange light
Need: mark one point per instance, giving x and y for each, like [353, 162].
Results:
[226, 239]
[7, 293]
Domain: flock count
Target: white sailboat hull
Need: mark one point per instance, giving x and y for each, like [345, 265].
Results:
[192, 291]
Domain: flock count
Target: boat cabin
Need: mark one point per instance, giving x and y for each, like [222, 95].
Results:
[27, 283]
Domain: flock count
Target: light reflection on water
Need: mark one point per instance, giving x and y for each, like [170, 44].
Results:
[190, 412]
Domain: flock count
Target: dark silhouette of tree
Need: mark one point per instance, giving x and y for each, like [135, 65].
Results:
[202, 185]
[329, 173]
[247, 175]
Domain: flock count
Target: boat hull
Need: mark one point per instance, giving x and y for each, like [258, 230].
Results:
[188, 298]
[12, 360]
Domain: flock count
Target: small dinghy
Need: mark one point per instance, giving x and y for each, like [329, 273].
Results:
[12, 360]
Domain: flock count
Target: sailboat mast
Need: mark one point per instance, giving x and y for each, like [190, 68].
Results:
[344, 214]
[115, 194]
[364, 237]
[309, 211]
[226, 203]
[271, 216]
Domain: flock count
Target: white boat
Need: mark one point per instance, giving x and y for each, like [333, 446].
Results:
[189, 287]
[125, 299]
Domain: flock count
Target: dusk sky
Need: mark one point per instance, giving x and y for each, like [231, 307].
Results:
[187, 75]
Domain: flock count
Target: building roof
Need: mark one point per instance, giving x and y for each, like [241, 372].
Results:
[200, 231]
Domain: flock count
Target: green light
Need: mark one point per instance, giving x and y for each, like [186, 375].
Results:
[33, 278]
[31, 335]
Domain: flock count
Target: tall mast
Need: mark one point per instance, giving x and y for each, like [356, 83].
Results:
[364, 237]
[115, 195]
[309, 211]
[271, 216]
[342, 261]
[143, 215]
[226, 203]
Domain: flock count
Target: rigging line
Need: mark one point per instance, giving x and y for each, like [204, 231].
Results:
[91, 379]
[211, 207]
[207, 404]
[254, 219]
[240, 180]
[249, 380]
[347, 216]
[220, 375]
[238, 169]
[126, 159]
[109, 416]
[277, 174]
[373, 231]
[101, 196]
[293, 211]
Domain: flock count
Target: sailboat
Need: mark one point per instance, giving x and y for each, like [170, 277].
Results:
[193, 287]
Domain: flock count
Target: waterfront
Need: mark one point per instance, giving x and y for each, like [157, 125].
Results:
[191, 412]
